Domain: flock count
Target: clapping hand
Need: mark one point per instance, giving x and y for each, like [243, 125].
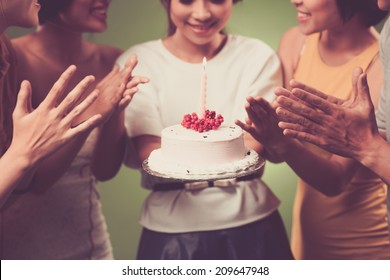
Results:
[262, 124]
[343, 127]
[40, 132]
[117, 88]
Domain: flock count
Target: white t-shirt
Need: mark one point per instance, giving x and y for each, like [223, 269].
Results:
[244, 66]
[383, 114]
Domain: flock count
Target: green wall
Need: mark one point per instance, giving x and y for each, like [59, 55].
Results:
[135, 21]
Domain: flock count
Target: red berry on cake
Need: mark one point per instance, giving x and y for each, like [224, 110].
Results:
[210, 121]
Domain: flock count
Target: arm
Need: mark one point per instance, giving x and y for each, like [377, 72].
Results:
[139, 148]
[142, 117]
[110, 148]
[131, 159]
[145, 144]
[39, 132]
[17, 170]
[119, 87]
[289, 51]
[376, 157]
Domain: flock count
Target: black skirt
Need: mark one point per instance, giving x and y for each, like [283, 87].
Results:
[265, 239]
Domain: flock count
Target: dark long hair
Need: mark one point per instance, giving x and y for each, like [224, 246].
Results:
[368, 10]
[171, 25]
[8, 93]
[51, 8]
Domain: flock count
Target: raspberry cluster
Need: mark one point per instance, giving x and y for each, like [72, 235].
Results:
[210, 121]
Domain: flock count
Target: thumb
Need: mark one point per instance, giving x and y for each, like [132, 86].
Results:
[355, 82]
[363, 89]
[23, 103]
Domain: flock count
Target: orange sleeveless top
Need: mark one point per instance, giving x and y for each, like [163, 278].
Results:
[352, 225]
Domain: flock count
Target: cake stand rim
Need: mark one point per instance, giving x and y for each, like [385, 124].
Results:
[196, 177]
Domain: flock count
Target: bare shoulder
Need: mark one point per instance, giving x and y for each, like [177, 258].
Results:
[291, 34]
[18, 41]
[21, 44]
[291, 42]
[289, 50]
[23, 50]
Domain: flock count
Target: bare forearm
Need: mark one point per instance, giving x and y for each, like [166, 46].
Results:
[142, 147]
[110, 149]
[15, 173]
[131, 159]
[324, 174]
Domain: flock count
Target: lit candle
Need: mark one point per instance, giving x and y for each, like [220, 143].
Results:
[203, 89]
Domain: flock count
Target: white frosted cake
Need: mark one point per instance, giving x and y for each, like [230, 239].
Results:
[186, 152]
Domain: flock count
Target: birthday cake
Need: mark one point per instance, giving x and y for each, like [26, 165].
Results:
[202, 148]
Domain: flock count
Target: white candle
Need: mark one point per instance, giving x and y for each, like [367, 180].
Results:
[203, 94]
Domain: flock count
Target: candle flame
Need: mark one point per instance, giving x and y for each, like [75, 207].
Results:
[204, 63]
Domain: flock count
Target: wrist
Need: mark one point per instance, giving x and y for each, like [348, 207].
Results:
[372, 151]
[286, 148]
[23, 159]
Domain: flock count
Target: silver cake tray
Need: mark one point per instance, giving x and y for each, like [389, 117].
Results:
[191, 177]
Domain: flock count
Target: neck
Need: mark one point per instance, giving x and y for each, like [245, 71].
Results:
[351, 36]
[194, 53]
[65, 39]
[61, 44]
[339, 45]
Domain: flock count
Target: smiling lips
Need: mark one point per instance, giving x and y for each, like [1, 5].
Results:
[302, 16]
[99, 12]
[201, 28]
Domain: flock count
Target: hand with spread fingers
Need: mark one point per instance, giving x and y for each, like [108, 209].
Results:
[342, 127]
[45, 129]
[40, 132]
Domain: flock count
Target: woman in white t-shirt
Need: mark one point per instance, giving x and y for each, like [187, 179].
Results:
[236, 222]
